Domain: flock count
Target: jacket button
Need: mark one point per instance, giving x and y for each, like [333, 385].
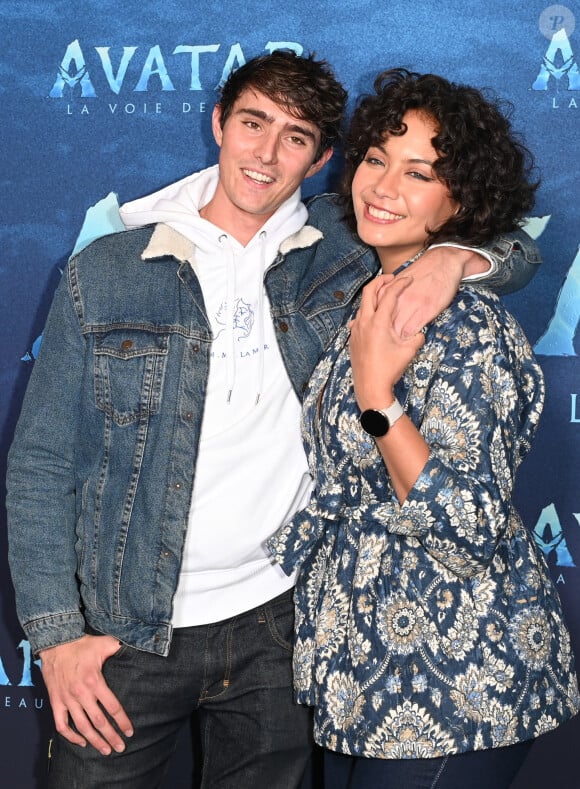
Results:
[195, 349]
[189, 416]
[339, 295]
[283, 326]
[126, 344]
[177, 486]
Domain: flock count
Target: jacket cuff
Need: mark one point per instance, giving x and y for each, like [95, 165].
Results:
[50, 631]
[483, 275]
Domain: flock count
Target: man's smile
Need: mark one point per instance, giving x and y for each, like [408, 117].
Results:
[256, 176]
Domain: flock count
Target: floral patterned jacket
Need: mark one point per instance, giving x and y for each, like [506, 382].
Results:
[431, 627]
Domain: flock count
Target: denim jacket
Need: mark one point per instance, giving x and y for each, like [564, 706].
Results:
[102, 466]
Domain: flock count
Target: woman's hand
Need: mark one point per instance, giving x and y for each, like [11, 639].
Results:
[379, 355]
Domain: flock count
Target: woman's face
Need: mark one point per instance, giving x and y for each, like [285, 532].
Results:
[397, 197]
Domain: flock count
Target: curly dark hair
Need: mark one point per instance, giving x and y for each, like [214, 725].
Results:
[303, 86]
[486, 168]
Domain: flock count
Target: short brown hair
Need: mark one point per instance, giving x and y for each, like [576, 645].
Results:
[304, 87]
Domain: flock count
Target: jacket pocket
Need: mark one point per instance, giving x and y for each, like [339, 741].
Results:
[129, 370]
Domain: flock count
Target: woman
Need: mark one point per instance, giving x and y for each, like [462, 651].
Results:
[429, 637]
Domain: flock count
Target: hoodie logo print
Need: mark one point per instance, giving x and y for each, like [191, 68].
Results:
[243, 318]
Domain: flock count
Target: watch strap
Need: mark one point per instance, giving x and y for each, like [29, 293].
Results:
[378, 422]
[393, 412]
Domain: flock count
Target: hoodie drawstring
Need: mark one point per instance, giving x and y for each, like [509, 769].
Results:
[230, 314]
[261, 270]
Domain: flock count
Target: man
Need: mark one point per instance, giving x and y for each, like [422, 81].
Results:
[159, 447]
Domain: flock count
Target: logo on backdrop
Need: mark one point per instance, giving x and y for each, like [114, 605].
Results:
[22, 678]
[145, 81]
[550, 538]
[559, 69]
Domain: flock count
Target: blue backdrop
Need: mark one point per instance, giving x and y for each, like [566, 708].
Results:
[108, 96]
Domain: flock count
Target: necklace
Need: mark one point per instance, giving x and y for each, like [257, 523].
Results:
[407, 263]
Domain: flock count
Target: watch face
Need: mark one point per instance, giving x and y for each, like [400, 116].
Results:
[375, 423]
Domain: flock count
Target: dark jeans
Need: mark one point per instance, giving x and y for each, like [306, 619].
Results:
[491, 769]
[235, 678]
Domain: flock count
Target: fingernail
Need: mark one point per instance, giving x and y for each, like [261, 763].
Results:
[128, 732]
[120, 747]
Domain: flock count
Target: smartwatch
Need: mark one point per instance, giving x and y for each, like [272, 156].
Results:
[377, 423]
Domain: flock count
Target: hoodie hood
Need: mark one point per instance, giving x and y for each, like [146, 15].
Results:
[178, 205]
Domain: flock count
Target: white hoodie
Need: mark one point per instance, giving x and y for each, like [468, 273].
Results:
[251, 474]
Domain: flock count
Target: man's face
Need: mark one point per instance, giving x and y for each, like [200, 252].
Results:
[265, 154]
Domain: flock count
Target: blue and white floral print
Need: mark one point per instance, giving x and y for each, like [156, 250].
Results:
[431, 627]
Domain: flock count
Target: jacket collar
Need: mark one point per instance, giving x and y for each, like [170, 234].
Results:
[167, 241]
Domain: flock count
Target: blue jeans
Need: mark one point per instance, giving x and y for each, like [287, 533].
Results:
[495, 768]
[235, 678]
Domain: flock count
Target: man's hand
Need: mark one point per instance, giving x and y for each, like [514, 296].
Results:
[436, 277]
[73, 677]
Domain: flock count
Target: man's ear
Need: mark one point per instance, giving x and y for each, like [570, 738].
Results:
[216, 127]
[317, 166]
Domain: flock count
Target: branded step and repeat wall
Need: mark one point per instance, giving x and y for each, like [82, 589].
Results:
[117, 97]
